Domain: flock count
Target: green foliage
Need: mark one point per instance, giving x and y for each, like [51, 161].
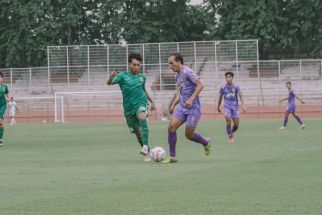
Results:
[284, 28]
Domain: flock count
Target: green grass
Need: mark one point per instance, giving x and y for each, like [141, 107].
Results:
[96, 169]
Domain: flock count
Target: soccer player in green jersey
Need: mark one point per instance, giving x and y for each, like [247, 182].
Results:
[135, 100]
[4, 98]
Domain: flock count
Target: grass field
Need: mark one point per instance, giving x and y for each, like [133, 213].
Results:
[96, 169]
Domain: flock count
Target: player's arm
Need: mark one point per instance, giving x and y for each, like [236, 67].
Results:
[174, 101]
[299, 99]
[149, 98]
[7, 97]
[195, 94]
[219, 103]
[282, 100]
[110, 78]
[242, 101]
[17, 109]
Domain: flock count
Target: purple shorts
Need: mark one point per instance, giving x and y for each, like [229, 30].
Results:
[191, 116]
[291, 108]
[231, 112]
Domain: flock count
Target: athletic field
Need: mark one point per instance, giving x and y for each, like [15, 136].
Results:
[96, 169]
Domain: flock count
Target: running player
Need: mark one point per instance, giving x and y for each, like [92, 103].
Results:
[189, 108]
[4, 98]
[230, 91]
[13, 109]
[291, 106]
[135, 96]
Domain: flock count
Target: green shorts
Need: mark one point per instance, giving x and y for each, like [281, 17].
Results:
[2, 111]
[133, 121]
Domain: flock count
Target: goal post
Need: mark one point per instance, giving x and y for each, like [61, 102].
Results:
[87, 106]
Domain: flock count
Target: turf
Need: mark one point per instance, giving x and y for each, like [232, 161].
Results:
[96, 169]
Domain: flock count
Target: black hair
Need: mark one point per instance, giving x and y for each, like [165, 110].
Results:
[177, 56]
[136, 56]
[229, 73]
[288, 82]
[1, 74]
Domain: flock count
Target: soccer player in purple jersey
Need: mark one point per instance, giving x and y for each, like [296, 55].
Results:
[230, 91]
[188, 110]
[291, 106]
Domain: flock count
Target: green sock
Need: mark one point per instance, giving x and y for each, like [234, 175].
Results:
[1, 132]
[144, 132]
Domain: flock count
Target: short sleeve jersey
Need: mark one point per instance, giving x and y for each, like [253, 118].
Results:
[230, 94]
[132, 87]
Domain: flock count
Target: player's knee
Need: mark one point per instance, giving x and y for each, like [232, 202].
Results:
[189, 136]
[172, 128]
[142, 116]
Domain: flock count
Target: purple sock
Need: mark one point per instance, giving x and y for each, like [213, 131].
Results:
[228, 129]
[172, 140]
[285, 121]
[299, 120]
[199, 139]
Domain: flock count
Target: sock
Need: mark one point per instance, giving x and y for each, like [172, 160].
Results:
[144, 132]
[285, 121]
[140, 142]
[228, 129]
[1, 132]
[298, 119]
[199, 139]
[235, 127]
[172, 140]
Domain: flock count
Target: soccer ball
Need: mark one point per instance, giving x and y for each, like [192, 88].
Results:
[158, 154]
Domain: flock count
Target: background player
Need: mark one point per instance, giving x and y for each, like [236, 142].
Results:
[13, 109]
[188, 110]
[230, 91]
[4, 98]
[135, 96]
[291, 106]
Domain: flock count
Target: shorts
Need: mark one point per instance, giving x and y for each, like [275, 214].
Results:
[133, 121]
[291, 109]
[231, 112]
[191, 117]
[12, 113]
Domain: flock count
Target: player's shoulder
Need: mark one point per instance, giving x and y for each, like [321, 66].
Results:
[188, 70]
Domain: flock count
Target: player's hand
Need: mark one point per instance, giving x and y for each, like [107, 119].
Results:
[218, 109]
[113, 74]
[188, 103]
[244, 109]
[171, 109]
[152, 108]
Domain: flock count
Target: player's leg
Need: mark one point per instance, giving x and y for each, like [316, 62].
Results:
[192, 122]
[236, 124]
[298, 120]
[134, 126]
[176, 120]
[143, 122]
[285, 120]
[12, 120]
[2, 116]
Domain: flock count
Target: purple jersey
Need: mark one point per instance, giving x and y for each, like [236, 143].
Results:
[186, 82]
[291, 106]
[230, 94]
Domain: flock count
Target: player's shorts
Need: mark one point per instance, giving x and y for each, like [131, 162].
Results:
[2, 111]
[133, 121]
[291, 108]
[191, 117]
[12, 113]
[231, 112]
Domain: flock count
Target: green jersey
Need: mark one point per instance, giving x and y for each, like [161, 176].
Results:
[133, 91]
[3, 91]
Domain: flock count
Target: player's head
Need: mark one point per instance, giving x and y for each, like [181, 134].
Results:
[175, 61]
[288, 85]
[11, 99]
[229, 76]
[1, 77]
[134, 62]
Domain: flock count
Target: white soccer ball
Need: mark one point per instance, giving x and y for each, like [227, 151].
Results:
[158, 154]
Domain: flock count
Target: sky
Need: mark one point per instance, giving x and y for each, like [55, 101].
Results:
[194, 2]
